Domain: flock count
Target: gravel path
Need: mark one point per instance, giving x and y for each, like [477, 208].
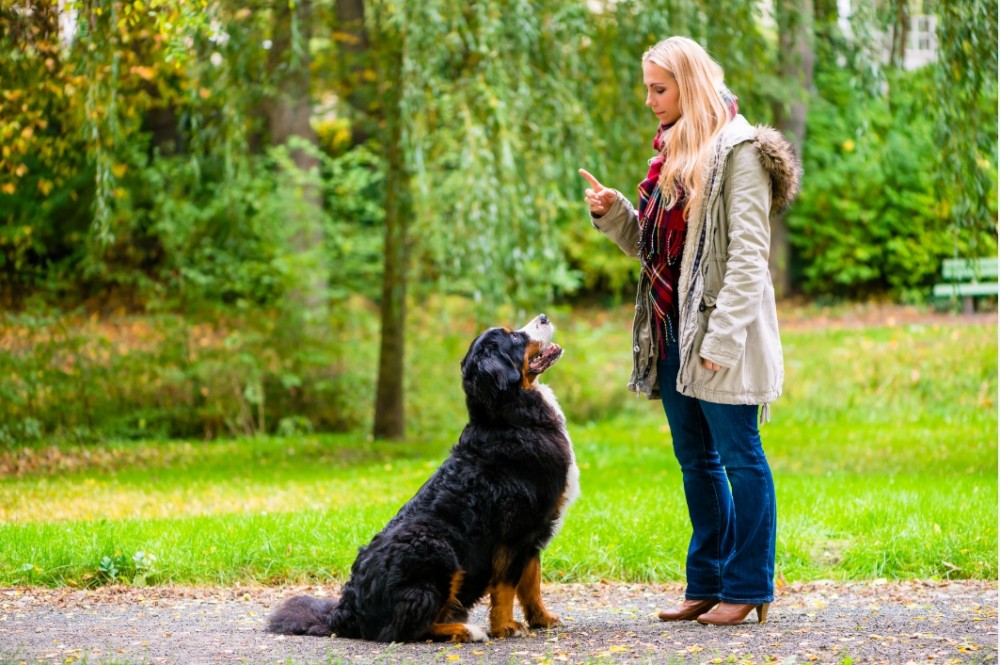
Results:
[870, 622]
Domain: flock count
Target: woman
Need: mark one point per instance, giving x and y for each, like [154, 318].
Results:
[705, 336]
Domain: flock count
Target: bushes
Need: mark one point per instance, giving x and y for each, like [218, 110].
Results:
[78, 379]
[869, 219]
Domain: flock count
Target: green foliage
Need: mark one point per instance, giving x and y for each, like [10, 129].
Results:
[871, 217]
[77, 379]
[138, 171]
[966, 129]
[870, 480]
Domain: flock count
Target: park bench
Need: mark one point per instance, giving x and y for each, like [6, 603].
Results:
[967, 279]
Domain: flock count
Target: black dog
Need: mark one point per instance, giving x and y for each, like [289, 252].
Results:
[478, 525]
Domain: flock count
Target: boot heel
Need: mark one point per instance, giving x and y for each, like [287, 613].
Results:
[762, 612]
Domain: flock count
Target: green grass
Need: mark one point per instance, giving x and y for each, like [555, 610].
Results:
[884, 450]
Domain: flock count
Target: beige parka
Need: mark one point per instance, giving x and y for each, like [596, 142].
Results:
[726, 307]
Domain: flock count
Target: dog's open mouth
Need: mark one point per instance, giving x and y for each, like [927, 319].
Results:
[544, 359]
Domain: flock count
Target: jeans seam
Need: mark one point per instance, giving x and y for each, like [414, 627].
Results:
[718, 505]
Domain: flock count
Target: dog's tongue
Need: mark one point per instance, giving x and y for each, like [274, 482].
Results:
[545, 359]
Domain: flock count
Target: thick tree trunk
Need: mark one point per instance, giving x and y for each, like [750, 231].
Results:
[389, 406]
[795, 66]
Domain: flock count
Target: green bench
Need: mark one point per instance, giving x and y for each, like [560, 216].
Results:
[967, 279]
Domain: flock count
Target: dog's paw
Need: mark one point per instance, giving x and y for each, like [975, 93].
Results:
[511, 629]
[545, 620]
[476, 634]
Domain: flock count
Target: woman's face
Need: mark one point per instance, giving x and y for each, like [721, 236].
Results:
[662, 93]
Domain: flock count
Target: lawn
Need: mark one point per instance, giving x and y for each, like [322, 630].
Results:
[884, 450]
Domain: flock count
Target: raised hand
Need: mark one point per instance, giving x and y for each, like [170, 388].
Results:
[598, 197]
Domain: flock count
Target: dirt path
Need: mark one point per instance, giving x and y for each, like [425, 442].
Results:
[871, 622]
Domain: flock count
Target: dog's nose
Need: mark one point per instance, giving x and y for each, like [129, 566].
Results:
[543, 319]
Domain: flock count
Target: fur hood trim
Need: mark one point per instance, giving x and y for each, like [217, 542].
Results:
[778, 158]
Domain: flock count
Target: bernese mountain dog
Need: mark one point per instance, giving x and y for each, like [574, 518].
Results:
[478, 525]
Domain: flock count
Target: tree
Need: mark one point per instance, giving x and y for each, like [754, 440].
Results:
[289, 114]
[966, 72]
[390, 419]
[795, 70]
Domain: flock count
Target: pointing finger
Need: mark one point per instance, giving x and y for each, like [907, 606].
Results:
[591, 179]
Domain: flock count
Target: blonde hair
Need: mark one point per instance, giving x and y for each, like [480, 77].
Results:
[703, 115]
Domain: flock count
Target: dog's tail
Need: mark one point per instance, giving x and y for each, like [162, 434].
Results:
[303, 615]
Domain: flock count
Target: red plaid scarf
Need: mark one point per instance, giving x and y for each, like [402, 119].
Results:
[661, 237]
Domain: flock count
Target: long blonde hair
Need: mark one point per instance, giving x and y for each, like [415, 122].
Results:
[686, 145]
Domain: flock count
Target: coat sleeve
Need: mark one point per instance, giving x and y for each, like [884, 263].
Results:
[747, 207]
[621, 224]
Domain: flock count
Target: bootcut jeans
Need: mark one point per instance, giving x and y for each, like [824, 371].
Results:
[729, 491]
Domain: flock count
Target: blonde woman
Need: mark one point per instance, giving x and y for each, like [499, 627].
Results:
[705, 336]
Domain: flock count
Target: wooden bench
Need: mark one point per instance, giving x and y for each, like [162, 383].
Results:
[967, 279]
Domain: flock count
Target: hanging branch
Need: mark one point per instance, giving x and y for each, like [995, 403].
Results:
[966, 120]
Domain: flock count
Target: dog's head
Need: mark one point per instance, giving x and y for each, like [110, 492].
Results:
[502, 360]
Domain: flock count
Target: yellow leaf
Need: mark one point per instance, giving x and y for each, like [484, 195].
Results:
[204, 93]
[119, 170]
[145, 73]
[44, 186]
[8, 188]
[27, 132]
[345, 38]
[614, 648]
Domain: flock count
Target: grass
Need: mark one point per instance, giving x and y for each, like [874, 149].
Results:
[884, 450]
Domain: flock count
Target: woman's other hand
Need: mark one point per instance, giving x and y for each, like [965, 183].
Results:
[598, 197]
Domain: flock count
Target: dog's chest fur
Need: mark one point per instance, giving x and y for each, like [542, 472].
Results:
[572, 490]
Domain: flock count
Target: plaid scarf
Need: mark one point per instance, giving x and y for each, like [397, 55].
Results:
[661, 236]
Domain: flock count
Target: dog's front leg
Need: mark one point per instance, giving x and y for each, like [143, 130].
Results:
[502, 622]
[529, 594]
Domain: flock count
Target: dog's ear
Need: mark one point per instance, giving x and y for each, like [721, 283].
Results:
[487, 370]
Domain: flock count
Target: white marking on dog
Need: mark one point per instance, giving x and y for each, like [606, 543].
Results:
[476, 634]
[573, 473]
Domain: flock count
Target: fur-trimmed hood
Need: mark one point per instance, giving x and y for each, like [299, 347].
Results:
[776, 154]
[778, 158]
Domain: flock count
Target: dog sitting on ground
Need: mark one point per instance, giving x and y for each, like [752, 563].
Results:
[478, 525]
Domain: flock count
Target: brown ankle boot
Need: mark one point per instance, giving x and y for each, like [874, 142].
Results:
[688, 610]
[732, 614]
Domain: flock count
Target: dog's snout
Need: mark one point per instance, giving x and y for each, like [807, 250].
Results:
[543, 319]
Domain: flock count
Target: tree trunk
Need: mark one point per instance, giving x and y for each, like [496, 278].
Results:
[795, 66]
[389, 405]
[288, 115]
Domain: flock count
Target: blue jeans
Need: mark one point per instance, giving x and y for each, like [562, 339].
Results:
[729, 491]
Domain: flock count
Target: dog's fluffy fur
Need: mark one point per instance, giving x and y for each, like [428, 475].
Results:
[478, 525]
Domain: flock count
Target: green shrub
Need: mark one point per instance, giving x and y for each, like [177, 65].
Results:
[82, 379]
[869, 219]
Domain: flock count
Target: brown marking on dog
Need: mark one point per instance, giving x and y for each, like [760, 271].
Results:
[527, 376]
[502, 622]
[452, 608]
[502, 594]
[449, 632]
[529, 594]
[557, 510]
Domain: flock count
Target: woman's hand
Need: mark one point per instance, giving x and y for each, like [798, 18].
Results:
[708, 364]
[598, 197]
